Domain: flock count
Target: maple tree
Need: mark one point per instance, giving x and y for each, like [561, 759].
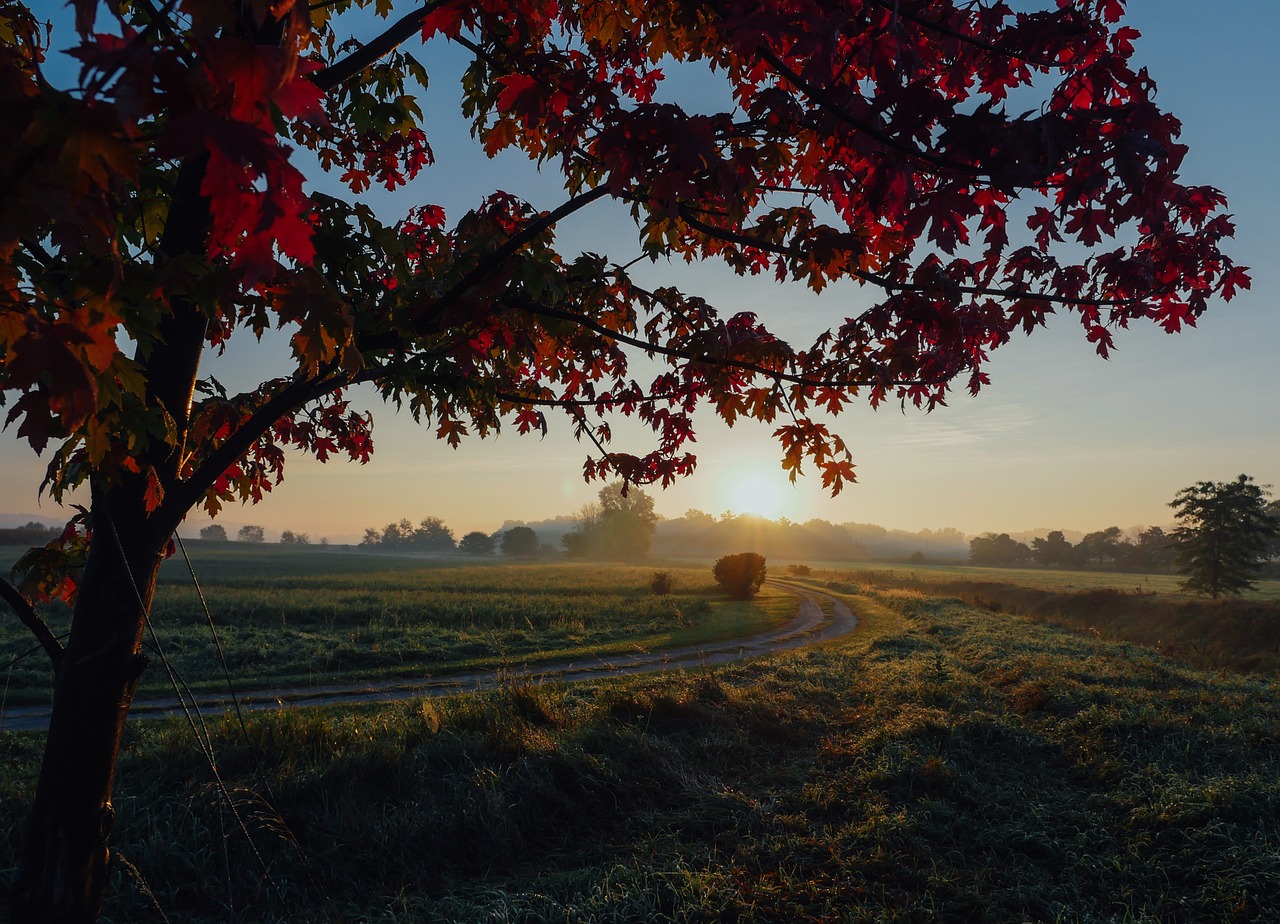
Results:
[159, 207]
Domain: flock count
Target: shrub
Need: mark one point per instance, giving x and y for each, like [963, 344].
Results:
[661, 583]
[740, 575]
[799, 570]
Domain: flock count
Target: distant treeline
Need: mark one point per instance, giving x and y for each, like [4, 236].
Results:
[30, 534]
[701, 535]
[1151, 550]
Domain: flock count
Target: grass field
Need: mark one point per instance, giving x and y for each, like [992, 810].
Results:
[305, 617]
[1240, 634]
[1046, 578]
[945, 763]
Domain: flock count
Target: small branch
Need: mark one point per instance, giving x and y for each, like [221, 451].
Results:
[31, 619]
[823, 101]
[526, 234]
[973, 40]
[401, 31]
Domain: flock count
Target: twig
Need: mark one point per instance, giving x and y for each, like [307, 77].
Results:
[31, 619]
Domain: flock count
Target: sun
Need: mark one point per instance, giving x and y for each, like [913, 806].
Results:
[758, 495]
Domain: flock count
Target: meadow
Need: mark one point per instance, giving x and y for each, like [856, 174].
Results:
[944, 763]
[1052, 579]
[1238, 634]
[287, 618]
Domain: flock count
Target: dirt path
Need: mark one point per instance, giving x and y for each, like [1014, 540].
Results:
[809, 627]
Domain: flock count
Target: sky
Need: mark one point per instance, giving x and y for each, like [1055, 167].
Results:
[1060, 440]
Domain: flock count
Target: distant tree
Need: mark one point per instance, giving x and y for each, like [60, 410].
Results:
[1102, 548]
[619, 527]
[583, 540]
[32, 533]
[251, 534]
[1051, 550]
[1273, 547]
[1002, 549]
[1152, 552]
[288, 537]
[432, 535]
[700, 517]
[520, 542]
[397, 534]
[476, 543]
[214, 532]
[741, 575]
[1223, 536]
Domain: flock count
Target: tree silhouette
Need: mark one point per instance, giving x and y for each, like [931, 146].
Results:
[476, 543]
[251, 533]
[1223, 535]
[520, 542]
[619, 527]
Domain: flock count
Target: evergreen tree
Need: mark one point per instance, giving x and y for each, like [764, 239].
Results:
[1223, 535]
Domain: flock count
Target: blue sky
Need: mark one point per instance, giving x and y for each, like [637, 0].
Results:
[1061, 439]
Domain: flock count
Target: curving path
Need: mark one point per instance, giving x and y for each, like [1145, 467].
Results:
[809, 627]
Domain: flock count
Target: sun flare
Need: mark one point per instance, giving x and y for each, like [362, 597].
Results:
[757, 495]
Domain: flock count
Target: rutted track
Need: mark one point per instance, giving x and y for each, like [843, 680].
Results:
[810, 626]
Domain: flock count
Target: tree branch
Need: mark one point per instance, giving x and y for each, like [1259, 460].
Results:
[402, 30]
[31, 619]
[648, 346]
[526, 234]
[183, 495]
[820, 97]
[738, 237]
[961, 37]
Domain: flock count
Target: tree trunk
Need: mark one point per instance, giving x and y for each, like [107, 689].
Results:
[63, 868]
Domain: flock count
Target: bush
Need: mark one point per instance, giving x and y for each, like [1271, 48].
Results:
[740, 575]
[662, 583]
[799, 570]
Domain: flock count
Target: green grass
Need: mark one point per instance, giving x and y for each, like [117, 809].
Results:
[943, 764]
[1048, 579]
[290, 618]
[1241, 634]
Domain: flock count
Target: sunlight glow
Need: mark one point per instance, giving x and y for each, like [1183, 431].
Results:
[757, 494]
